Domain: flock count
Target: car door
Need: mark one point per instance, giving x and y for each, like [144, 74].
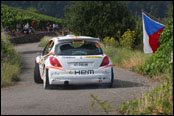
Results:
[45, 55]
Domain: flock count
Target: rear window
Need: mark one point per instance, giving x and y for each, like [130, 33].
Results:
[78, 48]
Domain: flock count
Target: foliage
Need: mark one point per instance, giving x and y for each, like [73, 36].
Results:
[55, 8]
[124, 57]
[10, 17]
[98, 18]
[169, 20]
[157, 102]
[102, 105]
[10, 62]
[138, 43]
[110, 41]
[152, 7]
[160, 61]
[50, 8]
[127, 39]
[160, 100]
[1, 28]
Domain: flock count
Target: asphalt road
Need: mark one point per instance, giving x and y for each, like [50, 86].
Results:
[27, 97]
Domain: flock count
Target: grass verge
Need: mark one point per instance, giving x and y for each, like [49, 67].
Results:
[125, 58]
[157, 102]
[10, 62]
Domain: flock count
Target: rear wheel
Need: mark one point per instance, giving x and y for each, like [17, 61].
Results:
[110, 85]
[37, 77]
[46, 80]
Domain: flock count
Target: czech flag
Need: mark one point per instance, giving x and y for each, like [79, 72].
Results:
[151, 34]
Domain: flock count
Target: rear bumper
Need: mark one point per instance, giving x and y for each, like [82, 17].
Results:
[57, 77]
[79, 81]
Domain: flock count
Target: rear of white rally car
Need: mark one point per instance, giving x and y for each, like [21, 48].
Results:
[67, 68]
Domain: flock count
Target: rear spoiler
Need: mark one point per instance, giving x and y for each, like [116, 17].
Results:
[71, 39]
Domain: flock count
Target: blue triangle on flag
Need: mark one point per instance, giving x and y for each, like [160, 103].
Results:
[151, 26]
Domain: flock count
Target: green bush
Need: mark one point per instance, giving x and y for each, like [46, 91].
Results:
[11, 16]
[110, 41]
[10, 62]
[160, 60]
[157, 102]
[127, 39]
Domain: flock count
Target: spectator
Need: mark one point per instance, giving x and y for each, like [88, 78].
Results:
[31, 30]
[57, 27]
[47, 25]
[50, 28]
[19, 28]
[54, 27]
[27, 28]
[33, 25]
[5, 30]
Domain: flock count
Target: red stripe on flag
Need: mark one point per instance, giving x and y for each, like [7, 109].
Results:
[154, 40]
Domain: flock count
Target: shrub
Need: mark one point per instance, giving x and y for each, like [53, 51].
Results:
[127, 39]
[10, 62]
[110, 41]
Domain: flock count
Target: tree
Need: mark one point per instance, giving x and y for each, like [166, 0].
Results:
[98, 18]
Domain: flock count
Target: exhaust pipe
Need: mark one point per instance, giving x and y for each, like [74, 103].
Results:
[66, 83]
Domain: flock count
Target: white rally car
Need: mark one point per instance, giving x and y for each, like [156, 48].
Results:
[73, 60]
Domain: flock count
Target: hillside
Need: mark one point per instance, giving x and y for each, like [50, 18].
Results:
[11, 16]
[56, 8]
[53, 8]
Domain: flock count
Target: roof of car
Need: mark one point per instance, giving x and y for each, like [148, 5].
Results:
[73, 37]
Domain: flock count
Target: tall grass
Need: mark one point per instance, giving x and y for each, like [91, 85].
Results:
[125, 58]
[10, 62]
[157, 102]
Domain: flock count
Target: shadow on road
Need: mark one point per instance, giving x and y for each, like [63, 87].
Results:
[117, 84]
[32, 52]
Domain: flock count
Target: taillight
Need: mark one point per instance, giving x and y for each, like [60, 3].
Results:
[105, 61]
[55, 62]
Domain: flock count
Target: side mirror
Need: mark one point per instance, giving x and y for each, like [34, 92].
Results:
[49, 49]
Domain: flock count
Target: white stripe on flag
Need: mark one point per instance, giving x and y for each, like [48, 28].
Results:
[147, 47]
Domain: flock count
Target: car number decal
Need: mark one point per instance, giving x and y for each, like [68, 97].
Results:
[81, 64]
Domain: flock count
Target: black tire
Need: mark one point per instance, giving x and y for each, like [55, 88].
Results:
[110, 85]
[37, 77]
[47, 84]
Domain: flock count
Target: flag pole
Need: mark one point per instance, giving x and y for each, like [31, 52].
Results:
[152, 16]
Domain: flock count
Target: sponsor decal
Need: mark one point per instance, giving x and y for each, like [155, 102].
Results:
[55, 73]
[93, 56]
[82, 72]
[97, 45]
[70, 72]
[68, 57]
[105, 67]
[105, 72]
[76, 37]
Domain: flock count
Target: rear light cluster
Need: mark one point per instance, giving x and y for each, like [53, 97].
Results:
[55, 62]
[105, 61]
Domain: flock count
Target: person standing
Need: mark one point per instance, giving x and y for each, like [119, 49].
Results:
[27, 28]
[5, 29]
